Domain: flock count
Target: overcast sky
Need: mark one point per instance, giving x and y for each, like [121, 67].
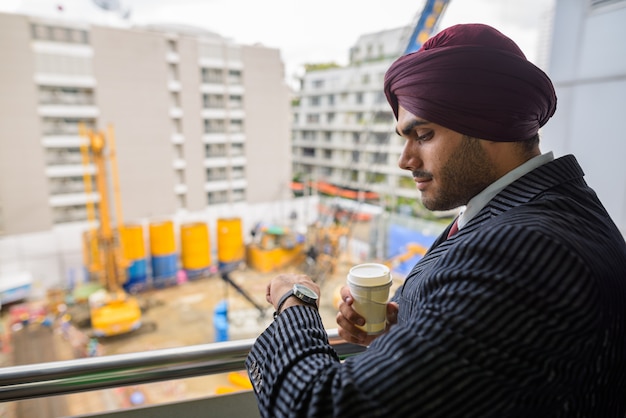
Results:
[310, 31]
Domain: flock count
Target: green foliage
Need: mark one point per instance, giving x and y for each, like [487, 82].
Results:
[320, 66]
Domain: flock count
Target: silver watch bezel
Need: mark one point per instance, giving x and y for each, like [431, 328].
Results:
[305, 294]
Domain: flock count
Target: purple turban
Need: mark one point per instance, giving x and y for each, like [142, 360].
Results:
[474, 80]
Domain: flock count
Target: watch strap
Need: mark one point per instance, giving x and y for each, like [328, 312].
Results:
[281, 302]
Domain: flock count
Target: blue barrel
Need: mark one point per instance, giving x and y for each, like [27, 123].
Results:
[137, 276]
[164, 270]
[220, 321]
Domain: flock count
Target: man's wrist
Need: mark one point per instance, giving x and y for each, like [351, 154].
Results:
[282, 301]
[298, 296]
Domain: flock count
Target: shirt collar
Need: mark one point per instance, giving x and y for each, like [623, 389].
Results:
[478, 202]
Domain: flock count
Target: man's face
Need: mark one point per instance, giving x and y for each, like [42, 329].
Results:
[449, 168]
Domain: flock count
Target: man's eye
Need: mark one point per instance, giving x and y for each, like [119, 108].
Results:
[424, 137]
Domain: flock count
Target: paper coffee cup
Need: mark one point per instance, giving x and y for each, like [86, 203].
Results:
[369, 285]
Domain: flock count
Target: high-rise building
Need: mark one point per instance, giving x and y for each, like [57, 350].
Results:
[196, 119]
[344, 137]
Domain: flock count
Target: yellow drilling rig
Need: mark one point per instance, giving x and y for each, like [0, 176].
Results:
[112, 311]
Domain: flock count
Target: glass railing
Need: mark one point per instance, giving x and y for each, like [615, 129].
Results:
[86, 374]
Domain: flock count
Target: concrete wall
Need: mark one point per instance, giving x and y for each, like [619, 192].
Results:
[132, 95]
[192, 128]
[588, 68]
[268, 145]
[24, 205]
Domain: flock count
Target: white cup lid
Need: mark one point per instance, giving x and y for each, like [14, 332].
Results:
[369, 274]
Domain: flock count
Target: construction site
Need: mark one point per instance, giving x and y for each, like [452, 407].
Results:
[161, 283]
[196, 308]
[163, 286]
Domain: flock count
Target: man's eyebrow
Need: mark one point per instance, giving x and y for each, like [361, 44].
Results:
[408, 128]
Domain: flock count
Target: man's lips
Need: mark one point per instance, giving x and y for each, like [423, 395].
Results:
[422, 183]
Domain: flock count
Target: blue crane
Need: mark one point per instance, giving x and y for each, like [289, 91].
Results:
[426, 24]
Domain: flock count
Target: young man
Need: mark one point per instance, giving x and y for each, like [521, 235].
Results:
[517, 310]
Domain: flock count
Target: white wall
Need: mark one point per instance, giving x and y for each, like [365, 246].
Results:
[588, 68]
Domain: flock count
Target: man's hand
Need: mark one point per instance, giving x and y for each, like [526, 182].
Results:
[348, 319]
[283, 283]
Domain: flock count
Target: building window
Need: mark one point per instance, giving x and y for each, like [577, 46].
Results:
[308, 152]
[212, 76]
[358, 98]
[317, 84]
[314, 100]
[215, 150]
[173, 72]
[381, 138]
[58, 34]
[65, 96]
[216, 174]
[238, 172]
[236, 126]
[175, 99]
[235, 101]
[171, 46]
[65, 126]
[239, 195]
[313, 118]
[236, 150]
[217, 197]
[379, 158]
[68, 185]
[234, 77]
[212, 126]
[178, 151]
[213, 101]
[63, 156]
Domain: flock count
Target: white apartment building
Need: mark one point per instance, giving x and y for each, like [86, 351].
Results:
[344, 129]
[196, 119]
[201, 127]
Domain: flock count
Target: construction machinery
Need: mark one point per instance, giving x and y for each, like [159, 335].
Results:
[274, 247]
[112, 311]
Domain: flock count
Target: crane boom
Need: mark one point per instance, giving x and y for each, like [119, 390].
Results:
[426, 24]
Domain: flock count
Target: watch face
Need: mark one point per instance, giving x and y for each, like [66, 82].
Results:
[305, 291]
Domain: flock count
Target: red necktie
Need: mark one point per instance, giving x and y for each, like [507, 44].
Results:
[454, 228]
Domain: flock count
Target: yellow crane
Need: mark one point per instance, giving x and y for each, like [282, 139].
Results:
[112, 310]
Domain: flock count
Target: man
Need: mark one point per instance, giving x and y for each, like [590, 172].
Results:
[517, 310]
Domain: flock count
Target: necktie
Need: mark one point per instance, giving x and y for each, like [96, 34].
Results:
[454, 228]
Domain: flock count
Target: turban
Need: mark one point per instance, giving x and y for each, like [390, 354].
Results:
[474, 80]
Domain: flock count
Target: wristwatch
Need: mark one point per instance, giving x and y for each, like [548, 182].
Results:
[306, 295]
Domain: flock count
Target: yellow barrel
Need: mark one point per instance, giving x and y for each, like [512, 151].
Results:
[162, 240]
[230, 246]
[133, 242]
[195, 246]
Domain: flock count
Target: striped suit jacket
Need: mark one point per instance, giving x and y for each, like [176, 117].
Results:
[520, 314]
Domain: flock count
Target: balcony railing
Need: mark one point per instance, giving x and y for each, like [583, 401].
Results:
[73, 376]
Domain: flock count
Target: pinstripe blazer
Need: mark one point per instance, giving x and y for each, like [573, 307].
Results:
[520, 314]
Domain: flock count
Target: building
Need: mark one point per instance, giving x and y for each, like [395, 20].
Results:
[343, 127]
[200, 124]
[193, 124]
[344, 130]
